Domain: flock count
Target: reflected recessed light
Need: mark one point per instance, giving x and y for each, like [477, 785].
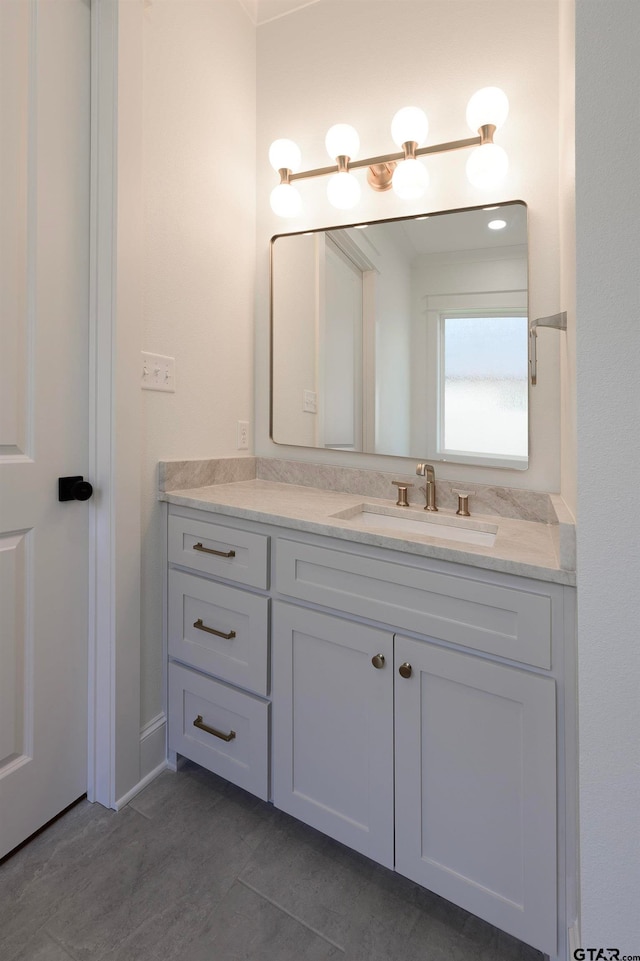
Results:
[425, 217]
[496, 224]
[361, 226]
[490, 208]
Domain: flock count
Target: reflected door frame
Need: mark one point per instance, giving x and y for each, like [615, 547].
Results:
[340, 247]
[339, 340]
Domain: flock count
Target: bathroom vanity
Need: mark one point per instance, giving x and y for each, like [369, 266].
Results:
[408, 694]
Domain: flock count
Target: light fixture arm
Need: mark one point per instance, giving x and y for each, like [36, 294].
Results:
[485, 136]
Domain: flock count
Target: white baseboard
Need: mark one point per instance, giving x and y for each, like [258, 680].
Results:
[140, 786]
[153, 757]
[153, 744]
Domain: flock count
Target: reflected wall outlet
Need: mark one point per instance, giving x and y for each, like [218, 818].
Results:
[310, 401]
[243, 435]
[158, 372]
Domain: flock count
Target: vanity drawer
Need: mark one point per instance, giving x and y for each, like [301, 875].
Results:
[202, 615]
[214, 549]
[503, 621]
[243, 759]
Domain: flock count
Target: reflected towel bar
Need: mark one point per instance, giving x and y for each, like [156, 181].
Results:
[557, 322]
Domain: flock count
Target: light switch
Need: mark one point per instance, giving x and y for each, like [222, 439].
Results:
[158, 372]
[310, 401]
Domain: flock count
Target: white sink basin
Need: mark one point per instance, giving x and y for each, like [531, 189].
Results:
[400, 521]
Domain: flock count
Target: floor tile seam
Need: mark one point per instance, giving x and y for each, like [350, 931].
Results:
[291, 915]
[63, 947]
[212, 801]
[41, 925]
[131, 805]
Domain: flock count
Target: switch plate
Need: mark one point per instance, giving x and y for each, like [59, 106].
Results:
[243, 435]
[310, 401]
[158, 372]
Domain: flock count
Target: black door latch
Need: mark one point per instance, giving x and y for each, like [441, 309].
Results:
[74, 489]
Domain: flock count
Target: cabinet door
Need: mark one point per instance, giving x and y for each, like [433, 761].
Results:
[476, 787]
[333, 727]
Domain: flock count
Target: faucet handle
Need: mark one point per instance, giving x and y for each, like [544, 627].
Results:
[463, 501]
[403, 487]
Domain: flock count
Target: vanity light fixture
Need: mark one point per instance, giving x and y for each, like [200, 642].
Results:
[404, 172]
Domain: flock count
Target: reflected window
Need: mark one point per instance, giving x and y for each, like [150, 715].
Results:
[484, 385]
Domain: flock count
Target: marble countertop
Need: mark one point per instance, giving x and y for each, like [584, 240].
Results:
[525, 548]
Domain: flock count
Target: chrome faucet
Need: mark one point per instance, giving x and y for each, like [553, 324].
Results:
[427, 471]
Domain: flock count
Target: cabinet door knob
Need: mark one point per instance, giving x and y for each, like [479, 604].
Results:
[405, 669]
[378, 660]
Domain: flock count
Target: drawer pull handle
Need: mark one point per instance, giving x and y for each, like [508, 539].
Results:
[199, 723]
[211, 630]
[405, 670]
[378, 661]
[208, 550]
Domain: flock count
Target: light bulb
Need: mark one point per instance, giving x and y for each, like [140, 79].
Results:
[410, 179]
[342, 140]
[487, 166]
[286, 201]
[487, 106]
[409, 124]
[285, 154]
[343, 191]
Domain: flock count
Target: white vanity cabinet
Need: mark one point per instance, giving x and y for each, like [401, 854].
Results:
[466, 746]
[474, 752]
[417, 706]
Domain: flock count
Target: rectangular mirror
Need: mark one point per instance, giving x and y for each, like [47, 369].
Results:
[405, 337]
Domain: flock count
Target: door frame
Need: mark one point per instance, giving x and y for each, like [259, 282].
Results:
[115, 334]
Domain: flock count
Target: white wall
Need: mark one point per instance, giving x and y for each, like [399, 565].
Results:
[608, 382]
[199, 192]
[358, 62]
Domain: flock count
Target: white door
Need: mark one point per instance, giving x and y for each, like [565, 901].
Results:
[333, 727]
[44, 269]
[476, 786]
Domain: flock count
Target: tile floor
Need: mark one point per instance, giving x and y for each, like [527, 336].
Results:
[197, 870]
